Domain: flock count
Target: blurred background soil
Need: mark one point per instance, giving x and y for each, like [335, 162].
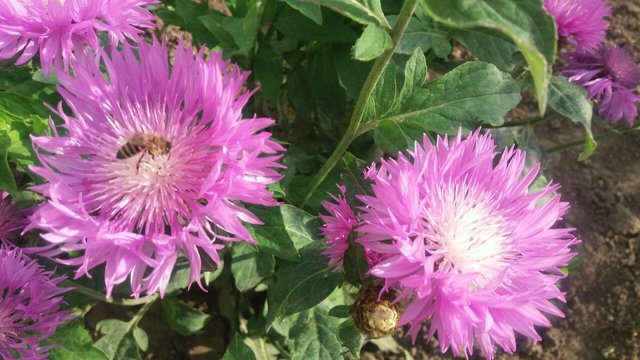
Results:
[603, 292]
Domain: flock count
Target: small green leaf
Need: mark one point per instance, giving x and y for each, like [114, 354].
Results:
[182, 318]
[372, 43]
[525, 22]
[286, 229]
[238, 350]
[73, 342]
[340, 311]
[351, 170]
[362, 11]
[571, 101]
[268, 67]
[312, 11]
[250, 266]
[314, 336]
[350, 337]
[141, 338]
[117, 341]
[301, 286]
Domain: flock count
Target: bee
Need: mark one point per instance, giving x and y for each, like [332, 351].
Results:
[144, 143]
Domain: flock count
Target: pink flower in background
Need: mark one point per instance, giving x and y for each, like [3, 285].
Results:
[611, 77]
[153, 162]
[467, 245]
[11, 219]
[337, 227]
[55, 28]
[29, 306]
[582, 21]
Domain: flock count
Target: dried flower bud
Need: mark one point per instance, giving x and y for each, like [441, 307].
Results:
[375, 317]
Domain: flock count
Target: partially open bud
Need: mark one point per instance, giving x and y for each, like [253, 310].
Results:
[375, 317]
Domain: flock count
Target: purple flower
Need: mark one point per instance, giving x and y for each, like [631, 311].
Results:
[29, 306]
[611, 77]
[337, 227]
[153, 162]
[582, 21]
[467, 245]
[55, 28]
[11, 219]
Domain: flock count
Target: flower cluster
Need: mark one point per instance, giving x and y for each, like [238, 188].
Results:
[29, 306]
[609, 74]
[154, 162]
[464, 242]
[611, 77]
[54, 29]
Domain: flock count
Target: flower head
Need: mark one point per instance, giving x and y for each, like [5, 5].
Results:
[55, 28]
[611, 77]
[154, 162]
[29, 306]
[337, 227]
[466, 243]
[582, 21]
[11, 219]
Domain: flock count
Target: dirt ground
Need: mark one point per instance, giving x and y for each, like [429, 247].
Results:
[603, 292]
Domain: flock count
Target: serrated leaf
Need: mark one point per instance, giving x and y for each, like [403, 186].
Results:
[313, 336]
[525, 22]
[299, 287]
[372, 43]
[286, 229]
[182, 318]
[570, 100]
[472, 94]
[141, 338]
[238, 350]
[250, 266]
[73, 342]
[350, 337]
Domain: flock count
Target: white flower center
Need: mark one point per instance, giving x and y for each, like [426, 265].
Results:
[467, 234]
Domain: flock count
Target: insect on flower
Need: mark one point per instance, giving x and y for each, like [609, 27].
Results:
[144, 143]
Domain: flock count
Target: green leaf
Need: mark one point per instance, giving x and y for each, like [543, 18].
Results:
[249, 266]
[117, 342]
[488, 45]
[355, 262]
[525, 22]
[472, 94]
[313, 336]
[141, 338]
[236, 35]
[312, 11]
[182, 318]
[340, 311]
[351, 73]
[362, 11]
[7, 182]
[421, 34]
[350, 337]
[372, 43]
[571, 101]
[299, 287]
[268, 67]
[286, 229]
[238, 350]
[351, 170]
[73, 342]
[294, 25]
[415, 73]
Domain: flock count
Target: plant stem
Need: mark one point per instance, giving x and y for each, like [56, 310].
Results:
[600, 136]
[135, 320]
[408, 7]
[96, 295]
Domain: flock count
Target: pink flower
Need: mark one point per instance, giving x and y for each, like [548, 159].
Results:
[582, 21]
[56, 28]
[337, 227]
[467, 245]
[11, 219]
[153, 163]
[29, 306]
[611, 77]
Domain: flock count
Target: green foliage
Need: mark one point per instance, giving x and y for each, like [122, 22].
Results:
[182, 318]
[118, 342]
[363, 11]
[313, 336]
[73, 342]
[238, 350]
[571, 101]
[250, 266]
[525, 22]
[373, 42]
